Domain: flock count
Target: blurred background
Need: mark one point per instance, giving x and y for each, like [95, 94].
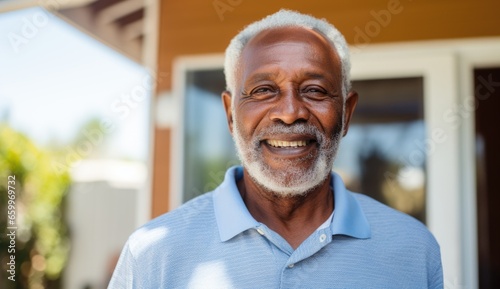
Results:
[110, 115]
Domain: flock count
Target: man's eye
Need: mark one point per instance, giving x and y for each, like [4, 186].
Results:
[262, 90]
[314, 90]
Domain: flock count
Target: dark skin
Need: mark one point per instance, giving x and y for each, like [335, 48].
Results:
[289, 75]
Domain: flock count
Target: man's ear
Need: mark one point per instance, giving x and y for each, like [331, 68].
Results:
[350, 105]
[226, 101]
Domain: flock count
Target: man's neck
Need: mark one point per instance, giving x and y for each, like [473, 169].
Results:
[294, 218]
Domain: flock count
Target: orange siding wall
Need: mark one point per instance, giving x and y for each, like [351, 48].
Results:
[197, 27]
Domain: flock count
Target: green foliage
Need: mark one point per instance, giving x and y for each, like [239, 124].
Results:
[42, 243]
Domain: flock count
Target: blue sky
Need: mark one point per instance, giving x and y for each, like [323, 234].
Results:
[53, 78]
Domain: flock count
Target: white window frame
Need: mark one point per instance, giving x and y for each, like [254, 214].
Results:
[447, 68]
[181, 67]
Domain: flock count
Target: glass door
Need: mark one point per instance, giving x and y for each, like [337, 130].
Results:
[487, 118]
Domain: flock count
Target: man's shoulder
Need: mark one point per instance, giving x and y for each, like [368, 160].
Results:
[383, 218]
[400, 242]
[377, 211]
[175, 226]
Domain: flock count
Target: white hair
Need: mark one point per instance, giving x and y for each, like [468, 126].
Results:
[286, 18]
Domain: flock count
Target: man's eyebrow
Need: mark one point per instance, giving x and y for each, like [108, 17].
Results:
[267, 75]
[261, 76]
[315, 75]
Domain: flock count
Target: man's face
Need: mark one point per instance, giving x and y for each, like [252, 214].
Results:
[288, 113]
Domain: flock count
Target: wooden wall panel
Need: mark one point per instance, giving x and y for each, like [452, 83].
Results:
[161, 172]
[194, 27]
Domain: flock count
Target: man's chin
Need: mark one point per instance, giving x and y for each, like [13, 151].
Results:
[287, 182]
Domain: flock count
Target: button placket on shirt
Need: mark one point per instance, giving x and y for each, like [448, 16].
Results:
[314, 243]
[274, 238]
[291, 278]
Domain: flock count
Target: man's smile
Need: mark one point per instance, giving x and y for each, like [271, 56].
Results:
[295, 146]
[286, 144]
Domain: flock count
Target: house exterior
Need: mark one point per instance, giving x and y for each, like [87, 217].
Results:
[453, 47]
[428, 73]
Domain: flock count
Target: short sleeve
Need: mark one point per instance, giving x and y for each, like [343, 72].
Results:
[124, 274]
[436, 272]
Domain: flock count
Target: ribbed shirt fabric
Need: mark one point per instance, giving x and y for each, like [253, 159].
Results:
[213, 241]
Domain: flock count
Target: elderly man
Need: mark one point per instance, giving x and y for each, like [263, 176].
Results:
[283, 220]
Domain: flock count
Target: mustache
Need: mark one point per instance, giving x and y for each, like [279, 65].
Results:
[295, 128]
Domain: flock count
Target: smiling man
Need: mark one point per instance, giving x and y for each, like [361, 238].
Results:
[283, 219]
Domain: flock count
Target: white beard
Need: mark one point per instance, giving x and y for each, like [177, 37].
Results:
[295, 181]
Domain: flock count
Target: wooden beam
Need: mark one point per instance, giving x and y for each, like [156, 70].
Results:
[117, 11]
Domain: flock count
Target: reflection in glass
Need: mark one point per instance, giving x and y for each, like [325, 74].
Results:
[384, 153]
[208, 148]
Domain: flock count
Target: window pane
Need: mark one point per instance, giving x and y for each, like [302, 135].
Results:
[383, 155]
[208, 148]
[487, 97]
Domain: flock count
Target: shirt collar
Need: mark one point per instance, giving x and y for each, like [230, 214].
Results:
[231, 213]
[233, 216]
[349, 218]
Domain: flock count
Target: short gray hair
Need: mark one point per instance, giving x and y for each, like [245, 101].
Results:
[286, 18]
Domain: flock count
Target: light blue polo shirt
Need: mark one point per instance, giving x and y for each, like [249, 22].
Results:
[212, 241]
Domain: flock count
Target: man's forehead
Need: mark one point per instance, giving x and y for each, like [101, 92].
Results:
[288, 34]
[279, 44]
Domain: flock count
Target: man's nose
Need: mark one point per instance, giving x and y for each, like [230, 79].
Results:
[289, 108]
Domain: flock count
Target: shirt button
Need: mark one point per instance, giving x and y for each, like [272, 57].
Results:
[291, 265]
[322, 238]
[260, 231]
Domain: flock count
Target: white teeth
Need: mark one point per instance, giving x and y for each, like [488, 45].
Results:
[281, 143]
